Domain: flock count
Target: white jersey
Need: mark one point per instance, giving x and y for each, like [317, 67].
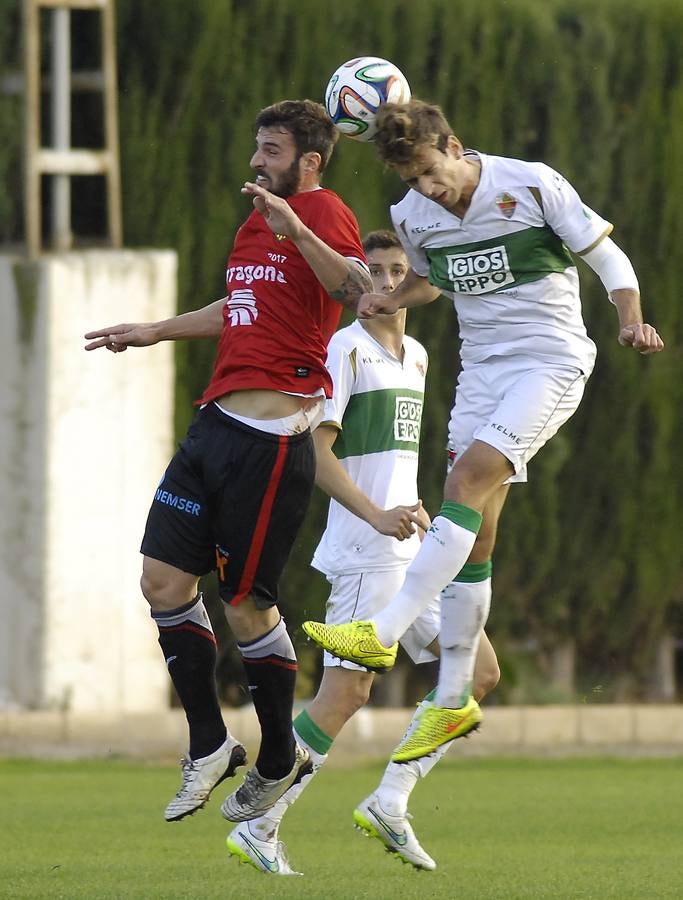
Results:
[506, 264]
[377, 407]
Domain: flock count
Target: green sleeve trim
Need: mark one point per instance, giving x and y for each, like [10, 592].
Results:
[461, 515]
[474, 572]
[313, 735]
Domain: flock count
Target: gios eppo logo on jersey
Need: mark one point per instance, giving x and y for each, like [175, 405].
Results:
[480, 271]
[408, 415]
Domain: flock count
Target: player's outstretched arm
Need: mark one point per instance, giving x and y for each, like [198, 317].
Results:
[199, 323]
[633, 332]
[342, 278]
[413, 291]
[332, 477]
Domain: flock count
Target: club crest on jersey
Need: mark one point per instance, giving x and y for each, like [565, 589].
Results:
[507, 204]
[420, 368]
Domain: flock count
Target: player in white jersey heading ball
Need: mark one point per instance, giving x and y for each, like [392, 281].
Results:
[367, 460]
[495, 235]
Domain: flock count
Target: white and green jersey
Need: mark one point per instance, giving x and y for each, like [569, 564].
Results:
[506, 264]
[377, 407]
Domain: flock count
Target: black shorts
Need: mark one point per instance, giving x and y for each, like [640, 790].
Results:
[232, 499]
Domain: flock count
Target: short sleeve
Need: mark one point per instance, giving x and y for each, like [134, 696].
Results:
[416, 257]
[341, 366]
[578, 226]
[337, 226]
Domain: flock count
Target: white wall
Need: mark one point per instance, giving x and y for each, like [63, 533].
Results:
[84, 440]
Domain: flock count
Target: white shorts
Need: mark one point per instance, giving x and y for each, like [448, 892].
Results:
[363, 595]
[514, 404]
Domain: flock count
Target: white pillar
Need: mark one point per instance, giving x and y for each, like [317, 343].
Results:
[84, 440]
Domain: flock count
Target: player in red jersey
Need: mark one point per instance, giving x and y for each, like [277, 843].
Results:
[235, 493]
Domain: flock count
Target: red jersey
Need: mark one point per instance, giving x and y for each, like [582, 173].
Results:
[277, 317]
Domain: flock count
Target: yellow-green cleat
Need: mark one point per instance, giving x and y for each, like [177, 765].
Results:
[356, 642]
[438, 725]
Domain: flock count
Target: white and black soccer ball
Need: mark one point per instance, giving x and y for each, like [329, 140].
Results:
[357, 89]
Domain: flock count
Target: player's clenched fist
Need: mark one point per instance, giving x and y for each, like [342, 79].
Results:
[370, 305]
[642, 337]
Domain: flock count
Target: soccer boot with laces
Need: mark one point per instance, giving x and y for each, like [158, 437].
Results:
[200, 777]
[354, 641]
[265, 855]
[256, 795]
[395, 832]
[437, 725]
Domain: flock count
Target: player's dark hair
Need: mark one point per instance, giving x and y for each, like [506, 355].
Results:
[307, 122]
[403, 129]
[382, 239]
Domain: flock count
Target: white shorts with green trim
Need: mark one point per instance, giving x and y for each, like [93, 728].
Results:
[515, 404]
[363, 595]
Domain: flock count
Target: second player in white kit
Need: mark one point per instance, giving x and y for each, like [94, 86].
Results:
[377, 410]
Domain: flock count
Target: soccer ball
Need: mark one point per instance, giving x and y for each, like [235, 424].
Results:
[356, 90]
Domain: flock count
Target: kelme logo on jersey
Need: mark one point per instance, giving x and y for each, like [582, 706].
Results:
[407, 419]
[480, 271]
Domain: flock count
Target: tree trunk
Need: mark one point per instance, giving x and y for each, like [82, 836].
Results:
[562, 668]
[661, 686]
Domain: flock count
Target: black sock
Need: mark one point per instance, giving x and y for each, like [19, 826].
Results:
[271, 667]
[189, 647]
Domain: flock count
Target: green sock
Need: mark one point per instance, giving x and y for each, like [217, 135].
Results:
[314, 736]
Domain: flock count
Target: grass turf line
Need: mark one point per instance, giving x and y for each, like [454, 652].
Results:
[593, 828]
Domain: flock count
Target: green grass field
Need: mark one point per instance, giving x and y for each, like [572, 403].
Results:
[497, 828]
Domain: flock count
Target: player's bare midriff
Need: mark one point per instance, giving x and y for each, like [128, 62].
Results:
[262, 404]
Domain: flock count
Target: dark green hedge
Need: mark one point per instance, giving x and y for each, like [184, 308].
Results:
[590, 550]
